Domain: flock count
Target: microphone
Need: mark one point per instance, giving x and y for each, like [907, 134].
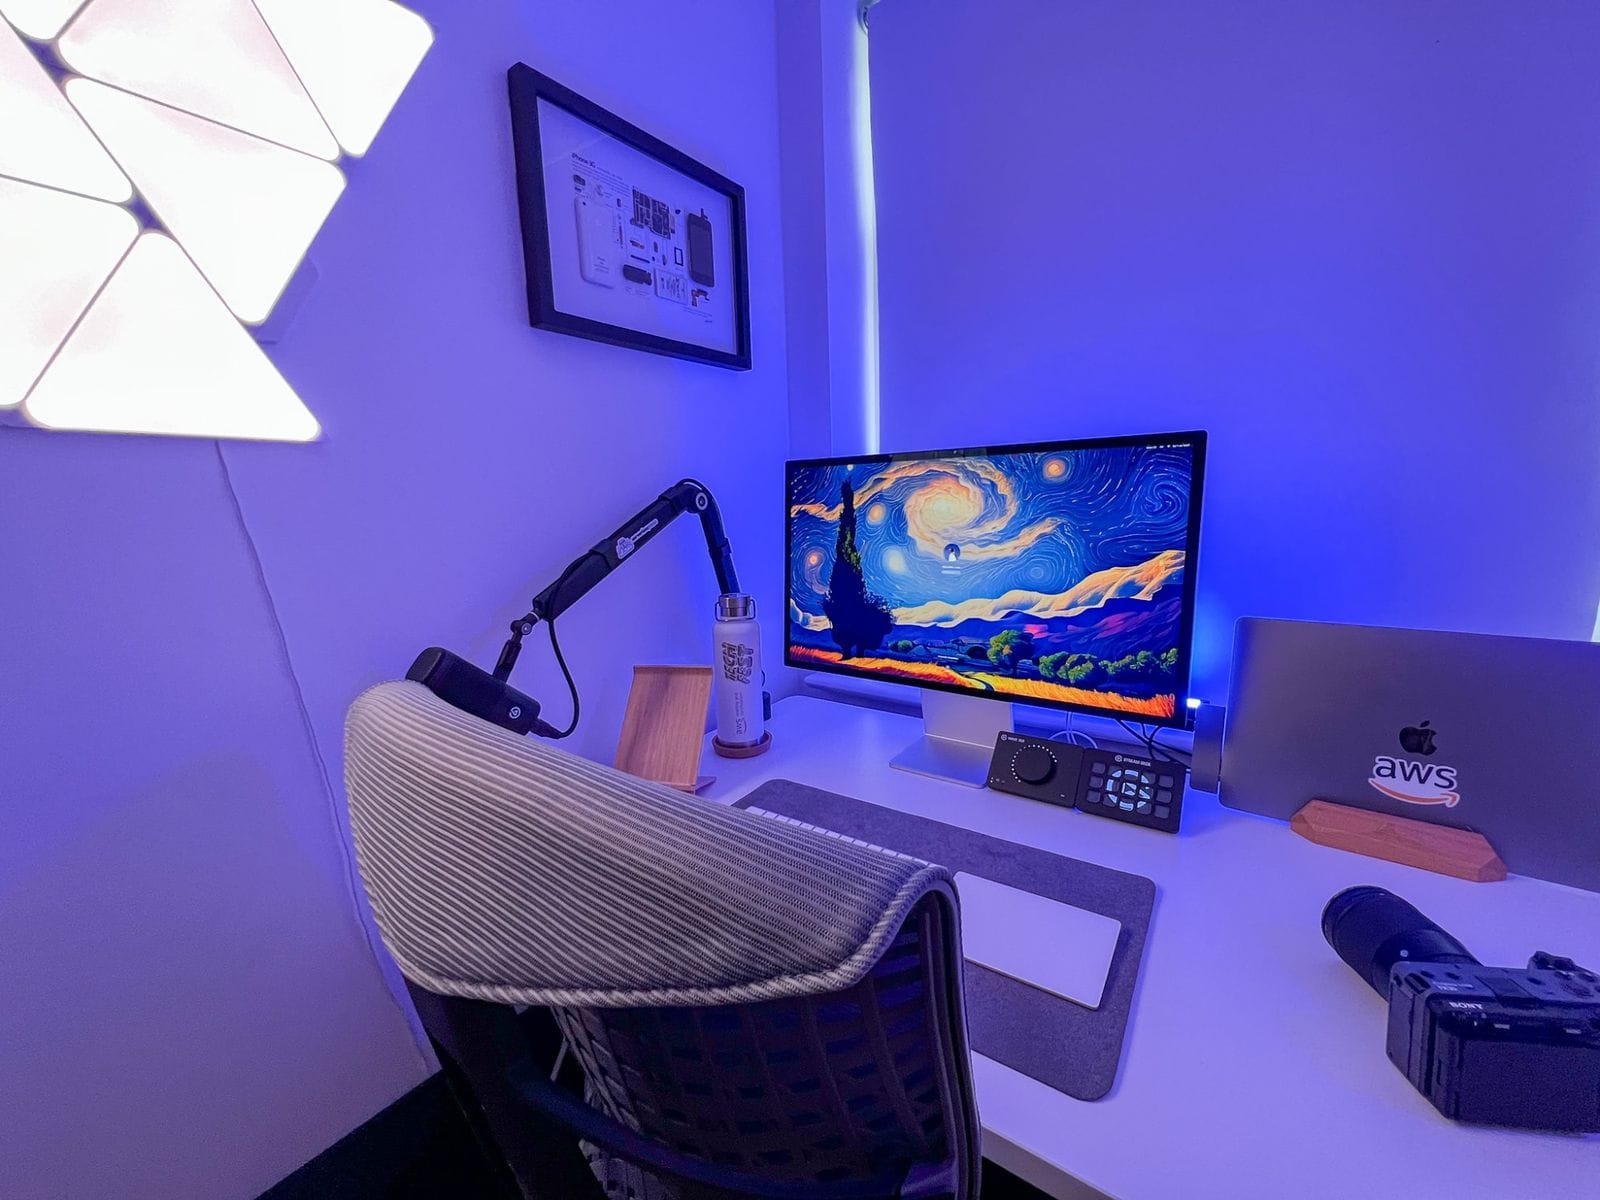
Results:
[487, 696]
[473, 690]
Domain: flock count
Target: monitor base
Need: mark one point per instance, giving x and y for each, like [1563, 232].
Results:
[958, 738]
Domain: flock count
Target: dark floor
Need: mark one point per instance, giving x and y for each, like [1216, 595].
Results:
[420, 1148]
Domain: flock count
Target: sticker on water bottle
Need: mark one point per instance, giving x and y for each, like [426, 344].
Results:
[738, 662]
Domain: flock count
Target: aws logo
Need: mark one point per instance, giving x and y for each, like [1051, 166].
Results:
[1413, 782]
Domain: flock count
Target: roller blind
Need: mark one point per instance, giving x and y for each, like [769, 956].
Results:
[1358, 243]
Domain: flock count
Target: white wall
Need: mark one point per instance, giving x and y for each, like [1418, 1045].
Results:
[1359, 243]
[189, 1003]
[188, 1000]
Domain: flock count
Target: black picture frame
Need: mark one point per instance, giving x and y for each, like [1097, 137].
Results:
[1194, 439]
[527, 87]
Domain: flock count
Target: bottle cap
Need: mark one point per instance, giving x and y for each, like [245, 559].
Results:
[736, 606]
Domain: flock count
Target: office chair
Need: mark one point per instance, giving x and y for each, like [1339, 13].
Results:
[759, 1008]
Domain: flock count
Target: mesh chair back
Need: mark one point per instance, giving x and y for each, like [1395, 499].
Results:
[829, 1087]
[749, 993]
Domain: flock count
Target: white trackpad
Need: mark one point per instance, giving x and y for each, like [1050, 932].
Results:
[1062, 949]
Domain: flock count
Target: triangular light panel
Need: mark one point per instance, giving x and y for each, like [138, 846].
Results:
[41, 138]
[224, 129]
[158, 352]
[355, 57]
[57, 249]
[39, 19]
[244, 209]
[214, 58]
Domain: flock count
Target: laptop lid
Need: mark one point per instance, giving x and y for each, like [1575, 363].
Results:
[1496, 734]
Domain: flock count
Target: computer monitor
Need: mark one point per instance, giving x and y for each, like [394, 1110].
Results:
[1058, 573]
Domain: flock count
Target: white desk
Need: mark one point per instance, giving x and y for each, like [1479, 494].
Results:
[1254, 1064]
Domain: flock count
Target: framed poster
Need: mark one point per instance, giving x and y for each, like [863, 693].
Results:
[626, 240]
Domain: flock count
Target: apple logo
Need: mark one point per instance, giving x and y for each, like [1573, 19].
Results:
[1417, 739]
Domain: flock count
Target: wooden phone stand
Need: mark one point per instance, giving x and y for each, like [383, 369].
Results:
[664, 728]
[1458, 852]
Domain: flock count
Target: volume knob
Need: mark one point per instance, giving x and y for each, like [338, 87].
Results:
[1034, 765]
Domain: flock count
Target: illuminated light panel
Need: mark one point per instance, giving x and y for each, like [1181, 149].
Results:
[41, 19]
[108, 329]
[355, 57]
[41, 138]
[245, 210]
[57, 249]
[214, 58]
[158, 352]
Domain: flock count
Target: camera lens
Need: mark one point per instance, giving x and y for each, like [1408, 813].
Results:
[1372, 929]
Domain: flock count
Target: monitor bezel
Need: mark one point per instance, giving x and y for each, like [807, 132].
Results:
[1194, 438]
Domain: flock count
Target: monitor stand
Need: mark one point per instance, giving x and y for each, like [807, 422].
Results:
[958, 738]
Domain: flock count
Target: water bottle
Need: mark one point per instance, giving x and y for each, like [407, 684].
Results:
[740, 724]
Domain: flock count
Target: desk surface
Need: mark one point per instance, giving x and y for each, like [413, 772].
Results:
[1254, 1064]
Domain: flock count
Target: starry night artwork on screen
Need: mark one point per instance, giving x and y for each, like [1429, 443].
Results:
[1059, 574]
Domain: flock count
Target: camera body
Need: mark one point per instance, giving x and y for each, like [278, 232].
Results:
[1489, 1045]
[1498, 1045]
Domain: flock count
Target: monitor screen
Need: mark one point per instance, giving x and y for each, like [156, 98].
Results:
[1059, 574]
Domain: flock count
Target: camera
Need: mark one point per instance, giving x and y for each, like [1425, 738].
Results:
[1488, 1045]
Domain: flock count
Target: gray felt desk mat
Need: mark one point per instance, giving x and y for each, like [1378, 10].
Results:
[1061, 1044]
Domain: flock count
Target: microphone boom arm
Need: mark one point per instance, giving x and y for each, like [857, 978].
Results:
[473, 690]
[586, 571]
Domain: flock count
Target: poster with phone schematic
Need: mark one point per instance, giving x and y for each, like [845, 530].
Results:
[633, 242]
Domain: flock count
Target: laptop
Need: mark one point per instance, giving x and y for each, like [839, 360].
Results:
[1496, 734]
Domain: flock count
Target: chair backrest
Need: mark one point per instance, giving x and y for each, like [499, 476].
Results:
[777, 1003]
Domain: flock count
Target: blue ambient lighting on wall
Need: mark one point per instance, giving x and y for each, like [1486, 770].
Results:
[867, 224]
